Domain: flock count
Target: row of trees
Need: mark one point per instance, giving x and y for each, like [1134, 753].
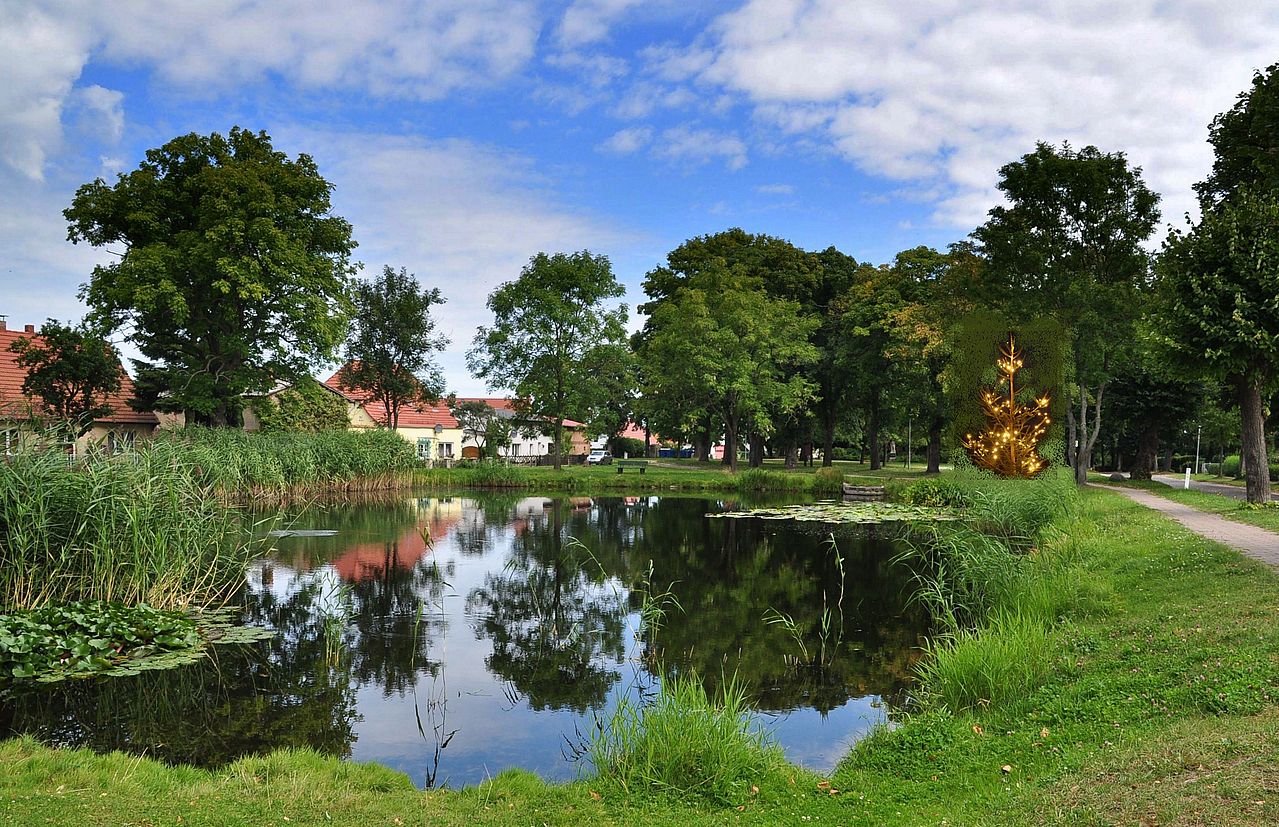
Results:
[234, 275]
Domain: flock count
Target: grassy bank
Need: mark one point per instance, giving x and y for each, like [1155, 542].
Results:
[1143, 663]
[656, 477]
[141, 528]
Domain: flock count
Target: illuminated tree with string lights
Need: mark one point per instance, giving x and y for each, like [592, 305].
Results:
[1008, 445]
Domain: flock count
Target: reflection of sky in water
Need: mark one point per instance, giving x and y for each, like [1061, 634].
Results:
[489, 724]
[484, 668]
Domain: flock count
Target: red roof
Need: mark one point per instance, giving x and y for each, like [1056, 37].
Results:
[411, 416]
[13, 403]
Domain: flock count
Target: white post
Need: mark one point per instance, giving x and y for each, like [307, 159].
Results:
[1187, 483]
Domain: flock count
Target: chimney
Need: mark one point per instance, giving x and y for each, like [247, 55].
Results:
[30, 328]
[3, 325]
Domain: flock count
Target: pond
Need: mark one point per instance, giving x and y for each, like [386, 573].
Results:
[452, 637]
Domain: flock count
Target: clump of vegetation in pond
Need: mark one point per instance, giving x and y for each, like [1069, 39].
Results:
[685, 743]
[80, 639]
[139, 528]
[277, 464]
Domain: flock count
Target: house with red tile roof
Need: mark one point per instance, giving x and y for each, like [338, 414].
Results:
[119, 428]
[429, 428]
[528, 443]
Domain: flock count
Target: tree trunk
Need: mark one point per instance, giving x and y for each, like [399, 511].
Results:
[792, 455]
[730, 440]
[872, 432]
[757, 450]
[935, 426]
[559, 436]
[702, 445]
[1087, 437]
[828, 438]
[1147, 450]
[1256, 468]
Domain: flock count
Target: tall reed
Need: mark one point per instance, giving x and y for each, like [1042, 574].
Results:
[138, 528]
[272, 465]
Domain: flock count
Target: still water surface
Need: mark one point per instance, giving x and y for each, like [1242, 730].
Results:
[454, 637]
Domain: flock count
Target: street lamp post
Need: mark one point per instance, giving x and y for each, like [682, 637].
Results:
[1198, 436]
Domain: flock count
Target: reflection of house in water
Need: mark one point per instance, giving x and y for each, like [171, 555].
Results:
[376, 559]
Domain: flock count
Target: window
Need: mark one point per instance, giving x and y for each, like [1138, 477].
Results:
[119, 442]
[424, 447]
[446, 450]
[515, 449]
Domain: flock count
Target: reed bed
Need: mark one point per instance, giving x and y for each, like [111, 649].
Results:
[138, 528]
[279, 465]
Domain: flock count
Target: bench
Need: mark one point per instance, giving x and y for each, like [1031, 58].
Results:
[621, 464]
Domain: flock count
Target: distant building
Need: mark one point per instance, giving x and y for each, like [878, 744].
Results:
[113, 432]
[430, 429]
[529, 437]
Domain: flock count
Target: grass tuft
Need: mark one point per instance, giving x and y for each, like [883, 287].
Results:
[685, 744]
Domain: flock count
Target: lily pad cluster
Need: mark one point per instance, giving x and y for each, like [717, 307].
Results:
[80, 639]
[838, 513]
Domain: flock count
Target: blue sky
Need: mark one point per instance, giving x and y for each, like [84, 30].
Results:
[463, 136]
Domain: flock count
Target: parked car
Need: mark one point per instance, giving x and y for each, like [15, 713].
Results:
[599, 456]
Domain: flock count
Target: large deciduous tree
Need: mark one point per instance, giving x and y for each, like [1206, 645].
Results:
[1218, 278]
[390, 354]
[549, 326]
[1218, 282]
[1069, 247]
[232, 270]
[71, 371]
[724, 344]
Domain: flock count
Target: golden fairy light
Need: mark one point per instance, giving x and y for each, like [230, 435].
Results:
[1007, 446]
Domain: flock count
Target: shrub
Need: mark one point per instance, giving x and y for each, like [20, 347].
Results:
[757, 479]
[937, 492]
[828, 482]
[1230, 466]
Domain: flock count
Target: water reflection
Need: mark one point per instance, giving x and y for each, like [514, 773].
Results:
[454, 637]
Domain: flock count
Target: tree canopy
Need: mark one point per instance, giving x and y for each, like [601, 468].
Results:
[72, 371]
[725, 346]
[544, 345]
[233, 273]
[1069, 247]
[390, 354]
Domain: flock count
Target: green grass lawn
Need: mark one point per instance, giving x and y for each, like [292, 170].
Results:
[1159, 706]
[1232, 509]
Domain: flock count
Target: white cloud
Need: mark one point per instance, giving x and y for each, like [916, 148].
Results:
[462, 216]
[101, 111]
[775, 189]
[589, 21]
[945, 92]
[40, 58]
[684, 143]
[385, 48]
[626, 141]
[397, 48]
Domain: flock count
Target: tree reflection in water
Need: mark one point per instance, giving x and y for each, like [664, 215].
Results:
[553, 620]
[553, 588]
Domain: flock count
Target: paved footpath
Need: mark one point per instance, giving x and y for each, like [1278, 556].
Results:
[1255, 542]
[1235, 492]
